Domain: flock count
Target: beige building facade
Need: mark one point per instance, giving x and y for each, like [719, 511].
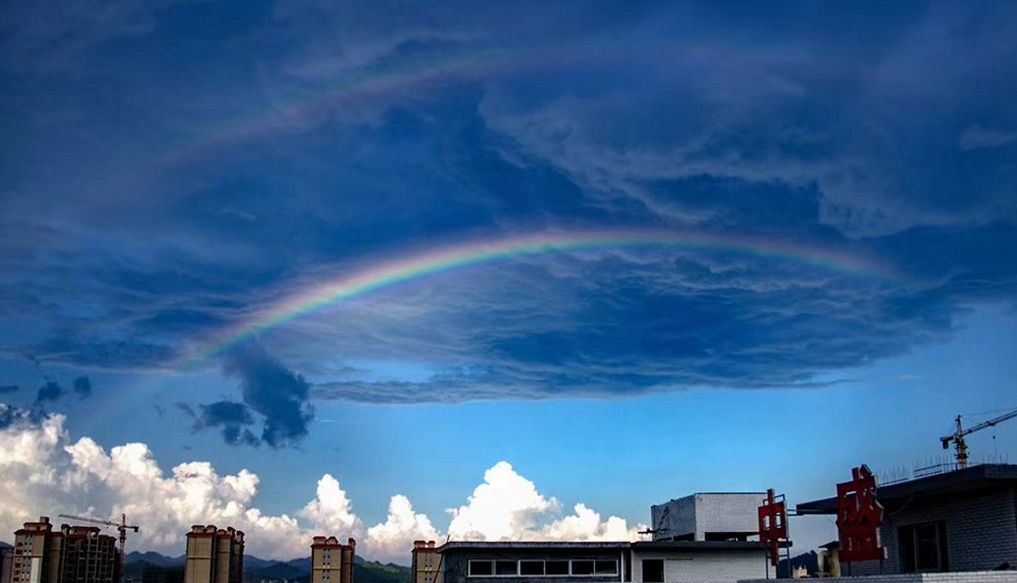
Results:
[425, 564]
[214, 555]
[332, 561]
[30, 557]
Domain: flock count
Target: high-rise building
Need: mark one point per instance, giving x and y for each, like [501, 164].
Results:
[214, 555]
[87, 556]
[426, 563]
[332, 561]
[75, 554]
[6, 557]
[30, 557]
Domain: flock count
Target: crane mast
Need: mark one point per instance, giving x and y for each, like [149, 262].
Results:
[122, 527]
[957, 437]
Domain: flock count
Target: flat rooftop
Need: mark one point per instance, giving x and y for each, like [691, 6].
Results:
[601, 545]
[971, 480]
[700, 545]
[479, 545]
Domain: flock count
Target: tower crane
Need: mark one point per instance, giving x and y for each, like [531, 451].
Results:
[121, 526]
[957, 437]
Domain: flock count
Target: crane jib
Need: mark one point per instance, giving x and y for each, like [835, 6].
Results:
[957, 437]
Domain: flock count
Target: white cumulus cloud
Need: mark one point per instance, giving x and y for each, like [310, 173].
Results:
[52, 473]
[507, 506]
[503, 507]
[331, 510]
[586, 524]
[390, 540]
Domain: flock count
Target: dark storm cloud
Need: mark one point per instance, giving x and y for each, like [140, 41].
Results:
[231, 418]
[53, 390]
[83, 387]
[818, 128]
[662, 325]
[845, 121]
[102, 354]
[50, 391]
[268, 388]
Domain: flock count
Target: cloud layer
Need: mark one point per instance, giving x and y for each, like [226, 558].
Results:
[330, 139]
[80, 476]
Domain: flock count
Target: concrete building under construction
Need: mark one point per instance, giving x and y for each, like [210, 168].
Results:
[74, 554]
[332, 561]
[214, 555]
[707, 516]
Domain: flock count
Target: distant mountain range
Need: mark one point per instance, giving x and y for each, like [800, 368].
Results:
[154, 559]
[255, 569]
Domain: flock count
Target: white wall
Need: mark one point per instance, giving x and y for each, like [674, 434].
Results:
[968, 577]
[704, 567]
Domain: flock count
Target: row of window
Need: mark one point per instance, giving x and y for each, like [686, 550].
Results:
[541, 568]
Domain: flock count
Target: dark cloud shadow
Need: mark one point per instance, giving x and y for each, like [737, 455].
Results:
[271, 390]
[231, 418]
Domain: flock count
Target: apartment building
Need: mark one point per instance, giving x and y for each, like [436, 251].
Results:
[214, 555]
[425, 563]
[88, 556]
[6, 558]
[74, 554]
[332, 561]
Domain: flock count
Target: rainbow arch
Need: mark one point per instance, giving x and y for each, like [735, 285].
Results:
[444, 259]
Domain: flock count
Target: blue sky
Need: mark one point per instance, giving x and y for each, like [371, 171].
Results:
[173, 169]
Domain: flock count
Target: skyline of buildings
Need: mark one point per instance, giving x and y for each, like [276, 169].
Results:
[81, 554]
[956, 520]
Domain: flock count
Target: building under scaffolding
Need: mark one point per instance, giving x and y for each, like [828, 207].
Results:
[74, 554]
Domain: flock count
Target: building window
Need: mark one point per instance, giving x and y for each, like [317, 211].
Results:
[582, 567]
[538, 568]
[923, 547]
[556, 568]
[481, 568]
[653, 571]
[531, 568]
[606, 568]
[506, 568]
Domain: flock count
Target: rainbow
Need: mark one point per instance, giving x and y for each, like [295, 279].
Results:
[446, 259]
[408, 77]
